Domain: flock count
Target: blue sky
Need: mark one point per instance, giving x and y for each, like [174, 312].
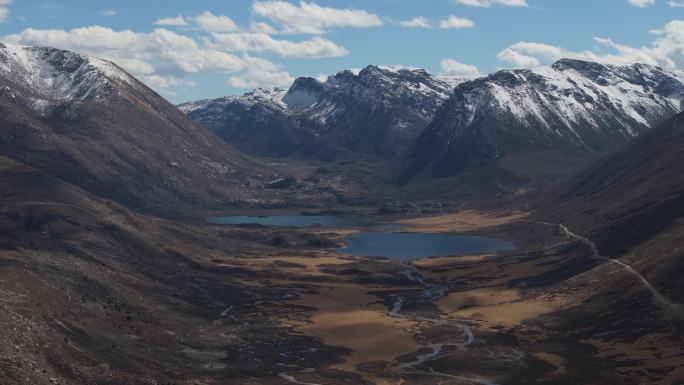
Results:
[197, 49]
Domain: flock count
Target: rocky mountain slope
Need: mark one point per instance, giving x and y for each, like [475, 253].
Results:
[630, 195]
[258, 122]
[378, 111]
[572, 106]
[89, 123]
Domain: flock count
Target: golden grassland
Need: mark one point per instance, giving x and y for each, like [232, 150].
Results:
[463, 221]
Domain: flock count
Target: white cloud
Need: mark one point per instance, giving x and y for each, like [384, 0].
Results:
[261, 42]
[178, 21]
[261, 73]
[451, 67]
[528, 54]
[454, 22]
[667, 51]
[642, 3]
[311, 18]
[108, 12]
[675, 4]
[4, 10]
[215, 23]
[206, 21]
[262, 27]
[489, 3]
[322, 77]
[161, 53]
[165, 82]
[418, 22]
[163, 59]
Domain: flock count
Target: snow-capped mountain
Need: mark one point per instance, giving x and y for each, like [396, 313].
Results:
[258, 122]
[270, 97]
[46, 77]
[573, 105]
[89, 123]
[377, 110]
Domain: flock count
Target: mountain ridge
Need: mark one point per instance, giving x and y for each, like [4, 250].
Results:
[572, 105]
[378, 110]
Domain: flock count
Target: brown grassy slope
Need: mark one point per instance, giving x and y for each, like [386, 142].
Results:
[631, 203]
[94, 293]
[632, 194]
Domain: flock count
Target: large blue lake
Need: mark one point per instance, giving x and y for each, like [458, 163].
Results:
[382, 240]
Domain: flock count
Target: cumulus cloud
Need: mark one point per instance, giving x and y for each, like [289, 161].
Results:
[4, 10]
[311, 18]
[451, 67]
[489, 3]
[163, 59]
[641, 3]
[667, 51]
[178, 21]
[261, 42]
[262, 27]
[165, 82]
[454, 22]
[261, 73]
[418, 22]
[215, 23]
[529, 54]
[160, 54]
[206, 21]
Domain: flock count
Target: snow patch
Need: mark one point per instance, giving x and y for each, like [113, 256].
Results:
[52, 76]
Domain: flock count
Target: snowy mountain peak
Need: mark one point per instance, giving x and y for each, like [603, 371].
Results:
[271, 98]
[579, 65]
[303, 93]
[377, 110]
[56, 74]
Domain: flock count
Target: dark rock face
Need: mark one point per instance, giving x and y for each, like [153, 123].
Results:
[573, 106]
[257, 122]
[89, 123]
[379, 112]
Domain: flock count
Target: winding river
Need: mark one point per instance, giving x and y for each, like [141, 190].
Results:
[392, 241]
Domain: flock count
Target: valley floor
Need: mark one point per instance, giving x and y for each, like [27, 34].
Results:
[129, 299]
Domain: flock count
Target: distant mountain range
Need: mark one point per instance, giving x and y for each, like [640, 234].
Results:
[572, 106]
[378, 111]
[89, 123]
[428, 128]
